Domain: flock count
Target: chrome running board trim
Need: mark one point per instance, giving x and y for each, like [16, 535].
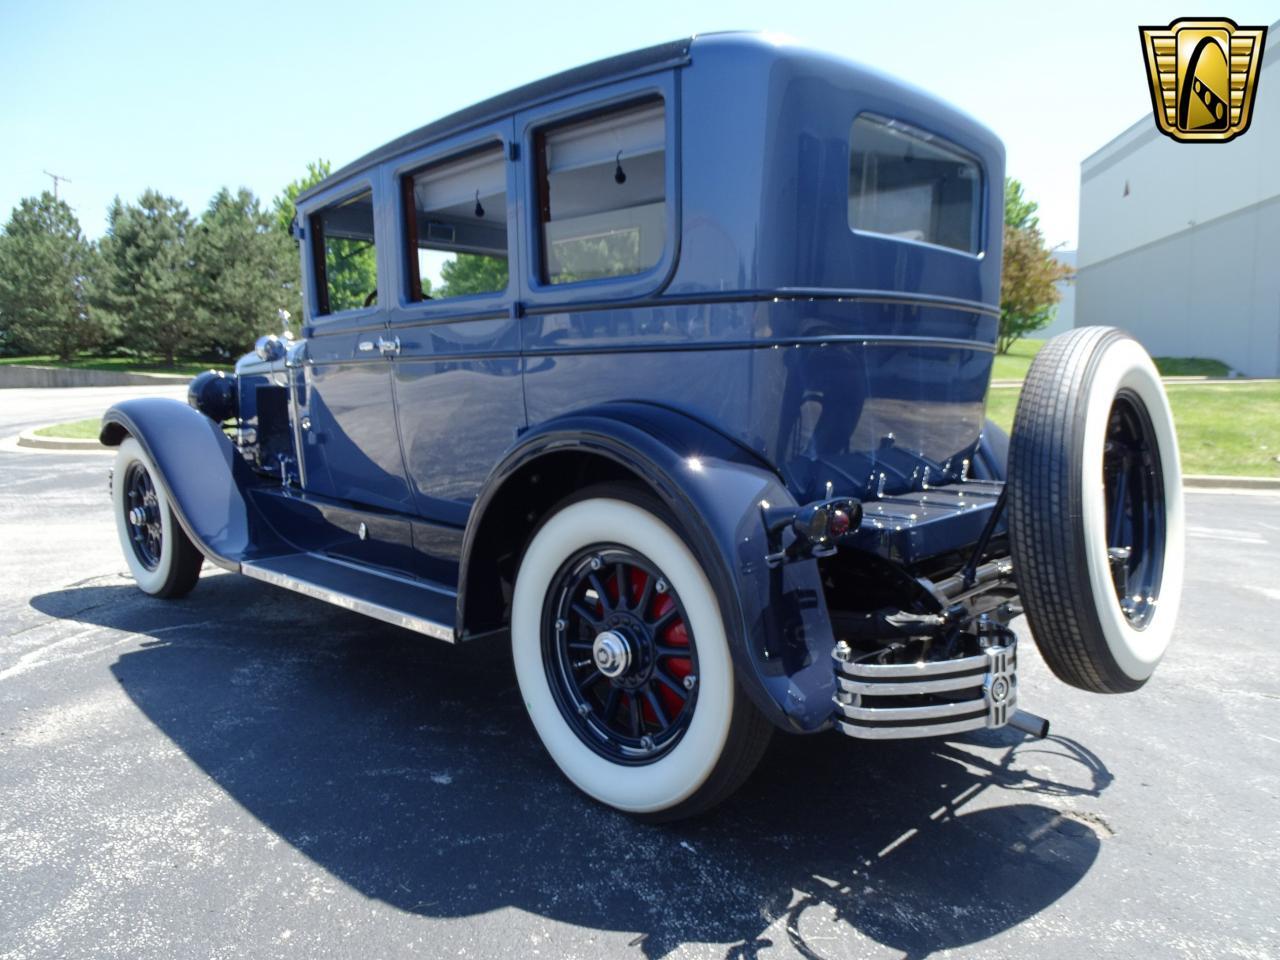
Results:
[307, 574]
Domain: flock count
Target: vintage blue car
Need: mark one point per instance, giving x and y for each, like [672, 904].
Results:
[670, 372]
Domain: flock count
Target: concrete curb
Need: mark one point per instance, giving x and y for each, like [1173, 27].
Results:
[28, 438]
[1200, 481]
[29, 375]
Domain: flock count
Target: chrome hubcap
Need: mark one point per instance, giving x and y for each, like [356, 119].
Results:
[611, 653]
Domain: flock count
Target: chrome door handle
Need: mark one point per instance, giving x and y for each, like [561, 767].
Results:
[365, 346]
[389, 347]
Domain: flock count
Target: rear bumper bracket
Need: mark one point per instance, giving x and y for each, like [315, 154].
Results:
[899, 701]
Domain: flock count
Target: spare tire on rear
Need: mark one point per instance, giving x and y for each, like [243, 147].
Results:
[1095, 510]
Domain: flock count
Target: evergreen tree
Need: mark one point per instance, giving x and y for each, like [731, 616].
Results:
[44, 266]
[145, 283]
[245, 271]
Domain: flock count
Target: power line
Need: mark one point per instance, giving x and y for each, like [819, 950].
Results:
[56, 178]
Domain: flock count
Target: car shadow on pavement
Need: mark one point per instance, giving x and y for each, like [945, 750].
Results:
[408, 769]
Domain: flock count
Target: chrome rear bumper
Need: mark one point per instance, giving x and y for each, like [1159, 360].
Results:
[934, 698]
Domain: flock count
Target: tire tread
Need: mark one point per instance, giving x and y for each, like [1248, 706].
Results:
[1050, 564]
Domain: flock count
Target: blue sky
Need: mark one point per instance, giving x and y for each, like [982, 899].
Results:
[189, 97]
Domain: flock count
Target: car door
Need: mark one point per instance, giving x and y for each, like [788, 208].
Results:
[456, 377]
[350, 447]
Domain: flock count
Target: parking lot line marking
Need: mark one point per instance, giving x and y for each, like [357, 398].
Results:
[1229, 536]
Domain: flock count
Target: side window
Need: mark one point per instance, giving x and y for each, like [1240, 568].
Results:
[906, 183]
[346, 263]
[602, 200]
[456, 219]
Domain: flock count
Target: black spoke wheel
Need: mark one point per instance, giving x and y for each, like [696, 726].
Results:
[619, 650]
[1134, 484]
[161, 557]
[142, 515]
[623, 658]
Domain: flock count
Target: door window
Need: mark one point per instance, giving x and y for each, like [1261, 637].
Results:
[346, 261]
[456, 219]
[603, 195]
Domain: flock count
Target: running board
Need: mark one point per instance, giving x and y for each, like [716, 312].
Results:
[391, 599]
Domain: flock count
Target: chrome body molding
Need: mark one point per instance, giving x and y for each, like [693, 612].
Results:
[926, 699]
[349, 601]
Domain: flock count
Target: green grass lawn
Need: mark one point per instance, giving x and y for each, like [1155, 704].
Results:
[1190, 367]
[1014, 364]
[1226, 429]
[187, 368]
[74, 430]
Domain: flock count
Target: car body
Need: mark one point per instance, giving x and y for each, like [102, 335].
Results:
[757, 283]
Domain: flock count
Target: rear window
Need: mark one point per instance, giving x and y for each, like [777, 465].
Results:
[908, 184]
[603, 195]
[346, 264]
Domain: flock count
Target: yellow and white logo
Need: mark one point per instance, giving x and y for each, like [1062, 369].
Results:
[1204, 77]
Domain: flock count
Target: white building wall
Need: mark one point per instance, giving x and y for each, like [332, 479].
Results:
[1064, 315]
[1180, 243]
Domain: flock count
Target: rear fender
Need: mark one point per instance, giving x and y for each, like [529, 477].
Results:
[991, 460]
[776, 619]
[200, 472]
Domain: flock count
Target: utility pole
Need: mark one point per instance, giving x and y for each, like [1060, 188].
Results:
[56, 178]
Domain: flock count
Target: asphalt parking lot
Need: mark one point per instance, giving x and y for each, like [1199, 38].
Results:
[249, 773]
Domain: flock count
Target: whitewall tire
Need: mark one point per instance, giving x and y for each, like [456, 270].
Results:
[589, 725]
[1096, 510]
[160, 556]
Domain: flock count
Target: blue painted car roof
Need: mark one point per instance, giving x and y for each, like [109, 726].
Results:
[611, 68]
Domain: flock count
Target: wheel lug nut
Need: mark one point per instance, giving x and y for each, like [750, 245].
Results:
[689, 681]
[583, 709]
[646, 744]
[560, 625]
[596, 563]
[660, 586]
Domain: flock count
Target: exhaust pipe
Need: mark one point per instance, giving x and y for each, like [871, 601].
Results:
[1029, 724]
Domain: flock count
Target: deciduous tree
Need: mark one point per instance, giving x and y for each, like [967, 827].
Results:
[471, 273]
[283, 205]
[1028, 285]
[44, 265]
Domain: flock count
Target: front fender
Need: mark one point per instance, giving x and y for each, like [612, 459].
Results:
[200, 473]
[776, 618]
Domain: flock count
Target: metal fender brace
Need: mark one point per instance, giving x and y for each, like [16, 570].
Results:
[946, 665]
